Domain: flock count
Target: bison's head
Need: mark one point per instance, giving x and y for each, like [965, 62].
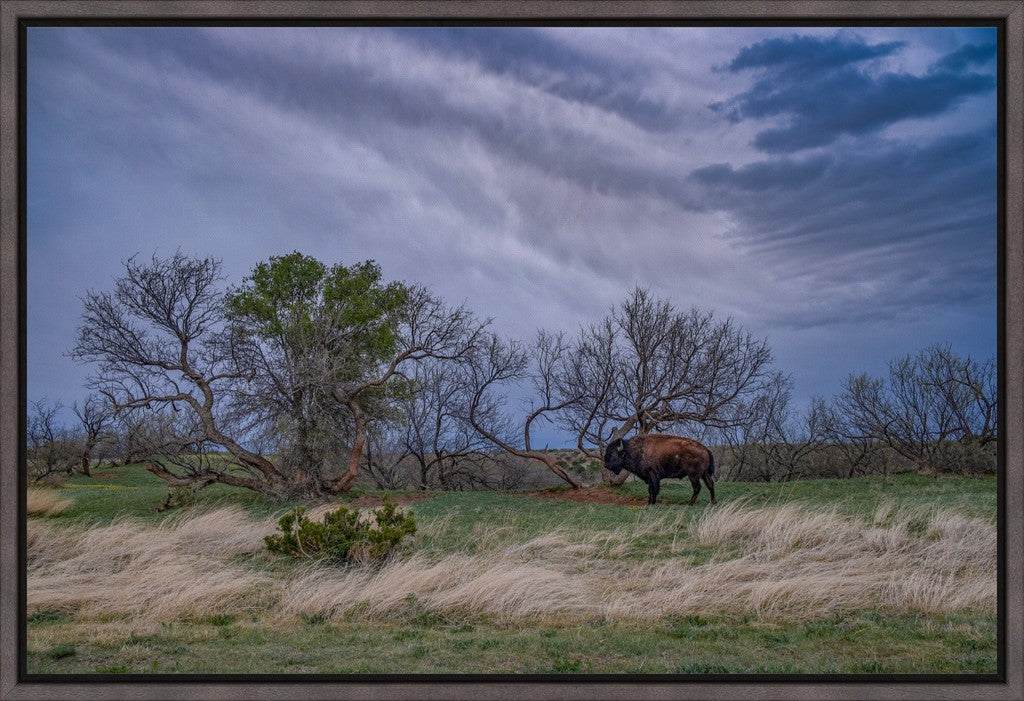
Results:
[615, 456]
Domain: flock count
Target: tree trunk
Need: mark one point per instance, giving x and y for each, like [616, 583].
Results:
[345, 482]
[527, 454]
[173, 480]
[85, 465]
[424, 470]
[213, 434]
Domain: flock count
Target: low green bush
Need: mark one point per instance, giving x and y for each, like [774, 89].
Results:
[181, 497]
[59, 652]
[343, 536]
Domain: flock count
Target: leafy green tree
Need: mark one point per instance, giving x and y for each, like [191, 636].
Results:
[329, 346]
[307, 329]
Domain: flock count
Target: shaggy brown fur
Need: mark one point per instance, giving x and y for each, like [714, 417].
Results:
[655, 457]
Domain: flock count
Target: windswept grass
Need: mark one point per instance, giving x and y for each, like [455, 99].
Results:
[44, 502]
[786, 562]
[179, 568]
[896, 577]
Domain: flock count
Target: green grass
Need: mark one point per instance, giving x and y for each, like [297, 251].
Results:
[418, 641]
[469, 512]
[59, 652]
[133, 491]
[857, 643]
[972, 496]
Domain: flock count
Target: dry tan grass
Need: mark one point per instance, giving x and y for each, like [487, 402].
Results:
[178, 569]
[42, 502]
[777, 562]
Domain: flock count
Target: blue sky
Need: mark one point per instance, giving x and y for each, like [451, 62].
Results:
[832, 189]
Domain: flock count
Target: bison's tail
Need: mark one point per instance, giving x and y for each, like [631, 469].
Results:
[711, 463]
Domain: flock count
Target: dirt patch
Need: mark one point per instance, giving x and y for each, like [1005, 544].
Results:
[588, 495]
[377, 500]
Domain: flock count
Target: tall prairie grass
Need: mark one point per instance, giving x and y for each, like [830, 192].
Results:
[791, 562]
[43, 502]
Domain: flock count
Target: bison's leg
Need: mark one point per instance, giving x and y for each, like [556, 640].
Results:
[695, 481]
[653, 487]
[710, 482]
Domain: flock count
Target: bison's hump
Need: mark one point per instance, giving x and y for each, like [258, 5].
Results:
[661, 439]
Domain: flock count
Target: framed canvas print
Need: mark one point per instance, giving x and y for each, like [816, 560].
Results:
[470, 350]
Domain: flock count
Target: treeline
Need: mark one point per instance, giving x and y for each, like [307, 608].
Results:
[304, 376]
[934, 412]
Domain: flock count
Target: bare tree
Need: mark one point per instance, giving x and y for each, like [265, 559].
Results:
[435, 429]
[424, 328]
[792, 440]
[159, 343]
[860, 452]
[136, 435]
[383, 456]
[747, 427]
[967, 387]
[175, 447]
[587, 383]
[741, 458]
[648, 367]
[931, 405]
[52, 448]
[96, 416]
[492, 368]
[429, 442]
[644, 367]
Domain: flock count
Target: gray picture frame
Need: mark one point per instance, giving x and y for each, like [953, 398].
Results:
[12, 270]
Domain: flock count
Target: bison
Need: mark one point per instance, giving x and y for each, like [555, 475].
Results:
[655, 457]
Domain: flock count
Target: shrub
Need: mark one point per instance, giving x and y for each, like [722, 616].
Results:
[964, 458]
[61, 651]
[343, 536]
[181, 497]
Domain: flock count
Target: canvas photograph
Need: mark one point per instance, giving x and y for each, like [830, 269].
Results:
[524, 350]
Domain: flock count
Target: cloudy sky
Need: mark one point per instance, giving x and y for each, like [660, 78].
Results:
[832, 189]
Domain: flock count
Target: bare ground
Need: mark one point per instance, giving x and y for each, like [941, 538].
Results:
[596, 494]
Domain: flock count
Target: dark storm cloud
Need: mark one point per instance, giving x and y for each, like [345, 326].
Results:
[250, 144]
[802, 55]
[536, 173]
[878, 227]
[355, 99]
[967, 55]
[822, 89]
[533, 57]
[900, 227]
[779, 174]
